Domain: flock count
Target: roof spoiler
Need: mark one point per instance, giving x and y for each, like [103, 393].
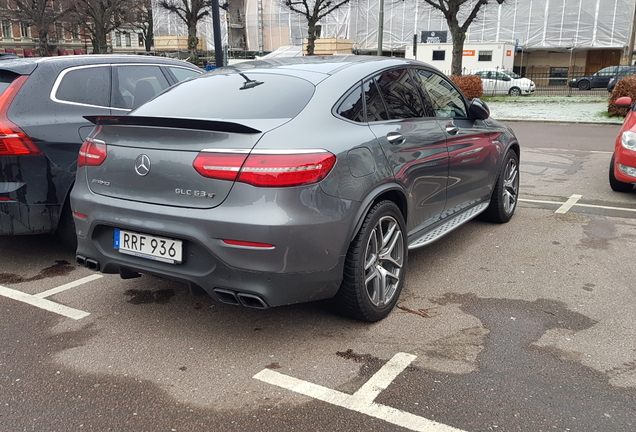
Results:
[169, 122]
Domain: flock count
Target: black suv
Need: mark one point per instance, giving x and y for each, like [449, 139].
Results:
[598, 79]
[621, 74]
[43, 102]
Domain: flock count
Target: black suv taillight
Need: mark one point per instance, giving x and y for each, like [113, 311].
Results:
[13, 140]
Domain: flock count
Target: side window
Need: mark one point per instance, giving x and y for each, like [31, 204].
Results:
[352, 107]
[136, 85]
[182, 73]
[88, 86]
[376, 111]
[446, 100]
[400, 93]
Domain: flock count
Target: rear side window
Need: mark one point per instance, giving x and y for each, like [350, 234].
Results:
[87, 86]
[182, 74]
[6, 78]
[137, 84]
[352, 107]
[233, 96]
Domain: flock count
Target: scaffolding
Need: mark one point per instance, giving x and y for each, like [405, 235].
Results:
[531, 24]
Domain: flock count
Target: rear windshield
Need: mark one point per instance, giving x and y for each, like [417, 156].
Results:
[6, 78]
[232, 96]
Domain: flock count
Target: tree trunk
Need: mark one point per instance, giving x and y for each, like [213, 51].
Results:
[43, 43]
[193, 41]
[459, 36]
[99, 41]
[311, 37]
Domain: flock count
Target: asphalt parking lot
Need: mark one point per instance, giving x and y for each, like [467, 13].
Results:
[529, 325]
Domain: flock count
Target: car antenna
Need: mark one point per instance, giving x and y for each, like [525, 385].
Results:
[248, 84]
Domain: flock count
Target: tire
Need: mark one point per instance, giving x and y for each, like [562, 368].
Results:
[375, 266]
[515, 91]
[584, 85]
[617, 185]
[66, 228]
[506, 193]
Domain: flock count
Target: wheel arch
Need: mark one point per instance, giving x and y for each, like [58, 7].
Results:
[392, 192]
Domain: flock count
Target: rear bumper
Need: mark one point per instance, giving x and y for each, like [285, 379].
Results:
[17, 218]
[306, 263]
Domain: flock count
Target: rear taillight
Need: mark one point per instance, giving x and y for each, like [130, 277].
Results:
[13, 140]
[93, 151]
[267, 169]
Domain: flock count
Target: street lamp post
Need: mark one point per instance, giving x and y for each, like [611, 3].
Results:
[380, 27]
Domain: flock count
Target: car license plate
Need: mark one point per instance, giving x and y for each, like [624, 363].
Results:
[148, 246]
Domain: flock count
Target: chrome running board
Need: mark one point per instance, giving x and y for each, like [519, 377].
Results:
[430, 236]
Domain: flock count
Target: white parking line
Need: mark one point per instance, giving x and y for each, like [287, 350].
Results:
[578, 205]
[69, 285]
[362, 400]
[569, 204]
[48, 305]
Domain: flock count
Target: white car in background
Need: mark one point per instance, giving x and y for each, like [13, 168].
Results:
[498, 82]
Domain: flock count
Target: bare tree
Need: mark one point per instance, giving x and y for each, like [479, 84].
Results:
[100, 17]
[190, 12]
[313, 11]
[41, 14]
[451, 10]
[142, 20]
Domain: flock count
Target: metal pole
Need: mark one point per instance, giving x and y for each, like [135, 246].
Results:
[216, 27]
[380, 27]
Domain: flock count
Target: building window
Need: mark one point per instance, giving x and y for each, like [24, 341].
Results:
[6, 29]
[117, 39]
[25, 30]
[439, 55]
[485, 56]
[127, 37]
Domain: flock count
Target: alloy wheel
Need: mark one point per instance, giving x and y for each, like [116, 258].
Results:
[384, 258]
[511, 186]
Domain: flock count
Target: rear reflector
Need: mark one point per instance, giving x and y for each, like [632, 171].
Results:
[248, 244]
[93, 151]
[79, 215]
[13, 140]
[267, 169]
[5, 199]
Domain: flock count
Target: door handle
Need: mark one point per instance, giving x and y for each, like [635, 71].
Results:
[395, 138]
[451, 129]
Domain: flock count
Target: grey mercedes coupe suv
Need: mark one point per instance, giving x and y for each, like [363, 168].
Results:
[285, 181]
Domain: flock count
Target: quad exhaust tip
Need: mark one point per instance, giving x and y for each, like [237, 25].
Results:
[89, 263]
[244, 299]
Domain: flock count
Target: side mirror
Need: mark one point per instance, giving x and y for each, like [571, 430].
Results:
[623, 102]
[478, 109]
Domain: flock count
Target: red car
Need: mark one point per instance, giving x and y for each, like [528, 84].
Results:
[622, 172]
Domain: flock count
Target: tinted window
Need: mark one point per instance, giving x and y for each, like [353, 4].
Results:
[136, 85]
[446, 100]
[182, 73]
[233, 96]
[352, 107]
[376, 111]
[90, 86]
[400, 94]
[6, 78]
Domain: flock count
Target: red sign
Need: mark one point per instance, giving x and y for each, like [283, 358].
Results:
[469, 53]
[508, 53]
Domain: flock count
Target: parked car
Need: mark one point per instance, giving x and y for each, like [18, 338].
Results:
[622, 171]
[502, 81]
[42, 104]
[312, 180]
[598, 79]
[620, 74]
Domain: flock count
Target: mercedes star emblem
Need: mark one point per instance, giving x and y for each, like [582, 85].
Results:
[142, 165]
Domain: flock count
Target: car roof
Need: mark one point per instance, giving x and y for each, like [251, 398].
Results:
[329, 65]
[26, 66]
